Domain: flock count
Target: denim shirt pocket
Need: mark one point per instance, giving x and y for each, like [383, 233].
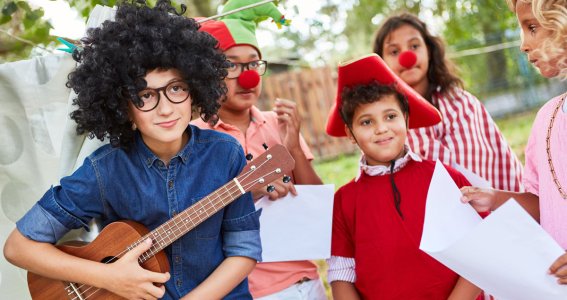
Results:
[210, 228]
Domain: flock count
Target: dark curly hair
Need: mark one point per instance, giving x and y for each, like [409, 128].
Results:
[117, 56]
[441, 72]
[353, 97]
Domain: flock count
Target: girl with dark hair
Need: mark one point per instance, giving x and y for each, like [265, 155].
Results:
[138, 81]
[467, 135]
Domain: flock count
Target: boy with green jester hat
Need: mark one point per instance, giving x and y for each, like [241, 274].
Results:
[239, 117]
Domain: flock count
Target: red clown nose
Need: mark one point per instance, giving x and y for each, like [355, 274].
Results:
[407, 59]
[248, 79]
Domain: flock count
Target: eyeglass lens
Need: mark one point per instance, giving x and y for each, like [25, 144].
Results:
[176, 92]
[237, 68]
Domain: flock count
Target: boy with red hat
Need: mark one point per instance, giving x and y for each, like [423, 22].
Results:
[378, 216]
[255, 130]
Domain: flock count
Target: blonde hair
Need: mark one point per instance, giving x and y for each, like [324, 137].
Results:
[552, 15]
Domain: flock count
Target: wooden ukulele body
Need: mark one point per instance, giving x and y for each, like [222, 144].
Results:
[112, 240]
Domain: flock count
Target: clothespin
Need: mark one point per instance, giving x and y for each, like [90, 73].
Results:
[70, 46]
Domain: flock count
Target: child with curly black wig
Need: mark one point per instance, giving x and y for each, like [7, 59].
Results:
[138, 81]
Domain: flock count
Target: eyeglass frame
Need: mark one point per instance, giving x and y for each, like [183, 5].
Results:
[247, 66]
[158, 92]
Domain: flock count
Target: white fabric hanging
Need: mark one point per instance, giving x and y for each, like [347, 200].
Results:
[38, 143]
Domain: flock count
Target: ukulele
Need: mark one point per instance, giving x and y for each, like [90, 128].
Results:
[119, 237]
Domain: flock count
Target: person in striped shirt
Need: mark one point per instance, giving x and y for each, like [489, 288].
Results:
[467, 136]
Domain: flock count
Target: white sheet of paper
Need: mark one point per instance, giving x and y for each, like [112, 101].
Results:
[297, 227]
[506, 254]
[444, 210]
[472, 177]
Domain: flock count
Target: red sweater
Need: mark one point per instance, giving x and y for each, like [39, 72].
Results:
[367, 227]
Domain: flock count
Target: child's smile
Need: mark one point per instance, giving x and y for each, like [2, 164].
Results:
[379, 129]
[163, 128]
[384, 141]
[168, 124]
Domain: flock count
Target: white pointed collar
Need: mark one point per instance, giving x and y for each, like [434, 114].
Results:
[383, 170]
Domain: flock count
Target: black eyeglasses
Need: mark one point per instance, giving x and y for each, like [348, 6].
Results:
[235, 69]
[175, 92]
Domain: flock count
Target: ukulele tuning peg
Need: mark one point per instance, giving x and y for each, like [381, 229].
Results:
[286, 179]
[249, 156]
[265, 146]
[270, 188]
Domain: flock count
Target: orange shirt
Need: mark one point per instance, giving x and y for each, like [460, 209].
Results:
[267, 278]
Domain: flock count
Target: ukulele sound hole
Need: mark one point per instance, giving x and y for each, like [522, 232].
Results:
[109, 259]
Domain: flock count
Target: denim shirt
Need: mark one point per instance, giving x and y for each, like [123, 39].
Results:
[113, 184]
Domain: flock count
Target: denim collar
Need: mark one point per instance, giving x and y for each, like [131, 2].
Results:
[383, 170]
[150, 158]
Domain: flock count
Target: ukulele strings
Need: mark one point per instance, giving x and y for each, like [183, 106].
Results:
[160, 239]
[204, 203]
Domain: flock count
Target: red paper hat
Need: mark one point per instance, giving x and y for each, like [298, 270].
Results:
[366, 69]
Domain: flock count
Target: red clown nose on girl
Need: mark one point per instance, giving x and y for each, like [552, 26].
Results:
[407, 59]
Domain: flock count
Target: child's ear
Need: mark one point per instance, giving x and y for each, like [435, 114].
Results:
[349, 135]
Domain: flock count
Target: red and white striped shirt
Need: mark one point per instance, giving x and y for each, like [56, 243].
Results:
[469, 137]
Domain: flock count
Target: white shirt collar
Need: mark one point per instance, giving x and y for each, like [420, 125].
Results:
[383, 170]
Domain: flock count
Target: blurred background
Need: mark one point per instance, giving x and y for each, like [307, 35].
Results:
[482, 38]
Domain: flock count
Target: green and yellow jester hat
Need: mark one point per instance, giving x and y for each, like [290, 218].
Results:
[239, 28]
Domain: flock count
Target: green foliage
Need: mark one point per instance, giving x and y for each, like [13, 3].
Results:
[342, 29]
[464, 25]
[19, 20]
[338, 171]
[202, 8]
[9, 8]
[366, 16]
[476, 24]
[84, 7]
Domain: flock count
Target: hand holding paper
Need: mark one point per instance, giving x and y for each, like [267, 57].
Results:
[559, 269]
[507, 254]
